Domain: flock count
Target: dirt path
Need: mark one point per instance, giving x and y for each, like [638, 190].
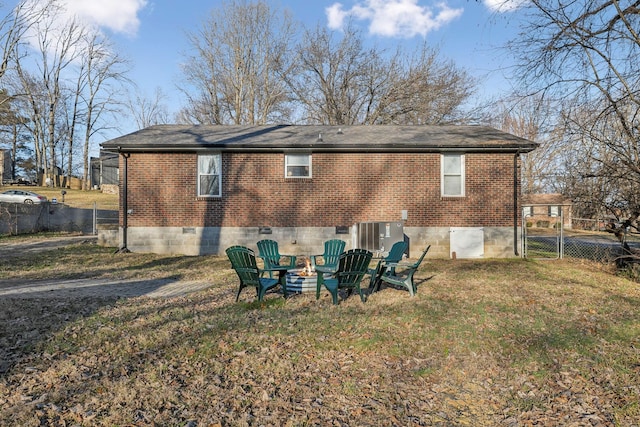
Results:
[86, 287]
[98, 288]
[12, 248]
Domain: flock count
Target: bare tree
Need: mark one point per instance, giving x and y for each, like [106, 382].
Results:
[7, 114]
[538, 119]
[69, 76]
[427, 90]
[31, 104]
[102, 71]
[72, 116]
[331, 74]
[10, 126]
[580, 178]
[57, 49]
[233, 71]
[148, 111]
[13, 30]
[14, 25]
[340, 81]
[586, 52]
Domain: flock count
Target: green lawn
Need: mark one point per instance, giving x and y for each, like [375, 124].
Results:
[484, 342]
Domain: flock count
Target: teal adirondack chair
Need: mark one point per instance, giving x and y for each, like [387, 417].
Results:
[405, 277]
[394, 256]
[352, 266]
[243, 261]
[268, 251]
[332, 250]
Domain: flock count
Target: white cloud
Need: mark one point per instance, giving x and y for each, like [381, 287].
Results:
[335, 16]
[120, 16]
[504, 5]
[394, 18]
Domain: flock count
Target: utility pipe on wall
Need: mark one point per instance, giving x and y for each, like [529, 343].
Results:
[515, 203]
[125, 207]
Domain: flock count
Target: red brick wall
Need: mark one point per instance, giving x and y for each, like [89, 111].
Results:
[345, 189]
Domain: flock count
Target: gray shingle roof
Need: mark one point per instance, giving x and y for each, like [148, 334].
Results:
[545, 199]
[381, 138]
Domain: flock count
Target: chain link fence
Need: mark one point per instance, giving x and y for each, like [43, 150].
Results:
[561, 237]
[17, 218]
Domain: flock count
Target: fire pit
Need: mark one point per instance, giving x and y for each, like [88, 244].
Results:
[302, 279]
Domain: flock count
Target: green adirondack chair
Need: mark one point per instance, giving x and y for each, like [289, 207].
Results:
[405, 277]
[268, 251]
[352, 266]
[243, 261]
[394, 256]
[332, 250]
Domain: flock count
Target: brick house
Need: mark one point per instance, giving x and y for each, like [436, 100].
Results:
[199, 189]
[546, 210]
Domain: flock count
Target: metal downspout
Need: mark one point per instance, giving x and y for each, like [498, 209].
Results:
[515, 203]
[125, 207]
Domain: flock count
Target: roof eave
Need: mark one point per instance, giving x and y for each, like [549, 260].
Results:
[323, 148]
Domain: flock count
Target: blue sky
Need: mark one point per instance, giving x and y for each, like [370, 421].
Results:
[151, 33]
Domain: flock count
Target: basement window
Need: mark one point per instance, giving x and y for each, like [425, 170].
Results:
[209, 175]
[297, 165]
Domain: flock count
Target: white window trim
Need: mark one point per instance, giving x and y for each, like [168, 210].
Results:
[286, 165]
[462, 175]
[199, 173]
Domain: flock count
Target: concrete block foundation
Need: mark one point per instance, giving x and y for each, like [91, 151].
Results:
[499, 242]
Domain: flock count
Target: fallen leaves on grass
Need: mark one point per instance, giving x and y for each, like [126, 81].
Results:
[483, 343]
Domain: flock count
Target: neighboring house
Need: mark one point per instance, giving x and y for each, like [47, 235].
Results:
[199, 189]
[546, 210]
[104, 170]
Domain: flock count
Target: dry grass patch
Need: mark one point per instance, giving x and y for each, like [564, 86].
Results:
[73, 197]
[86, 260]
[492, 342]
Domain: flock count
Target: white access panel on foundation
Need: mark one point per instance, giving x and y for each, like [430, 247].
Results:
[466, 242]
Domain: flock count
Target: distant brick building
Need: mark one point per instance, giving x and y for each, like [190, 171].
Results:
[546, 210]
[199, 189]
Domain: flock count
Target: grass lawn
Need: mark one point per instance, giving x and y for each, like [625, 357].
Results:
[73, 198]
[484, 343]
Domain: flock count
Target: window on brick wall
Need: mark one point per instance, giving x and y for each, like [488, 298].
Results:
[297, 165]
[452, 175]
[209, 175]
[554, 210]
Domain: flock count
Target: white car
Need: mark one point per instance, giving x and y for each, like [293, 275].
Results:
[21, 196]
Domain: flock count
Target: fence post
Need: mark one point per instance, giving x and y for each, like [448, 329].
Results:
[561, 249]
[95, 218]
[524, 234]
